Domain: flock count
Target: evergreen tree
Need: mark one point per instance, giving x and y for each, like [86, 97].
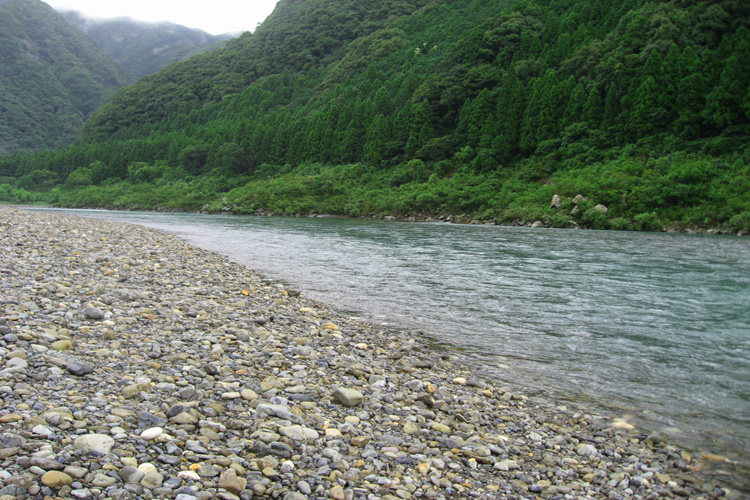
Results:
[383, 102]
[593, 110]
[509, 114]
[642, 120]
[670, 75]
[476, 118]
[552, 98]
[530, 122]
[574, 109]
[419, 124]
[726, 104]
[691, 98]
[378, 134]
[611, 105]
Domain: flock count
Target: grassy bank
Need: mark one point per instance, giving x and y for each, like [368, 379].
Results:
[603, 190]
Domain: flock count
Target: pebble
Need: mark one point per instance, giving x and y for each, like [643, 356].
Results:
[133, 365]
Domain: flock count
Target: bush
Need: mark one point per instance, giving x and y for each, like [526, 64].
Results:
[740, 223]
[6, 192]
[594, 218]
[560, 220]
[619, 224]
[647, 222]
[22, 196]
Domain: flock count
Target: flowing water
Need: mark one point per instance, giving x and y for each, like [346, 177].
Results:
[651, 327]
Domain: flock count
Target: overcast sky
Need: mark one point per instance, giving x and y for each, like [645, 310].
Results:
[222, 16]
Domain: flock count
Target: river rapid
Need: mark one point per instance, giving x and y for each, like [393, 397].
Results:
[654, 328]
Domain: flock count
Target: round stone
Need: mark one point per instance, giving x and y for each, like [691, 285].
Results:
[152, 433]
[587, 450]
[56, 479]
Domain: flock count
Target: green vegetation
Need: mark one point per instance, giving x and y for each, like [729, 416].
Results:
[141, 48]
[52, 77]
[431, 108]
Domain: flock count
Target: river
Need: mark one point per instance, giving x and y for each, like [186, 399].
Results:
[654, 328]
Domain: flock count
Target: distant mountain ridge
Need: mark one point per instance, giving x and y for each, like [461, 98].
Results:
[142, 48]
[52, 77]
[56, 69]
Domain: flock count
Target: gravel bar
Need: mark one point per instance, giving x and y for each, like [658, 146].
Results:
[135, 366]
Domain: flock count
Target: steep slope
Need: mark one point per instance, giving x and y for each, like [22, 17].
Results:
[142, 48]
[52, 77]
[299, 36]
[439, 107]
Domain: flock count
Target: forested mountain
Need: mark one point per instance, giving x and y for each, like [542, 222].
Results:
[52, 77]
[141, 48]
[436, 107]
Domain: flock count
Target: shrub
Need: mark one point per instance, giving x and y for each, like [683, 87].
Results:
[740, 223]
[595, 218]
[647, 222]
[619, 224]
[6, 192]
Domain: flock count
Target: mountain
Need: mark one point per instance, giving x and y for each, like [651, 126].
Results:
[141, 48]
[496, 111]
[52, 77]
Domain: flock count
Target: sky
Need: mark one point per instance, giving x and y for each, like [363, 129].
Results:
[223, 16]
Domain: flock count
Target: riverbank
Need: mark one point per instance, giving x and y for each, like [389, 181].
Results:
[136, 366]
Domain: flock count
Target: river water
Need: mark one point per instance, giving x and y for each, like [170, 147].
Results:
[651, 327]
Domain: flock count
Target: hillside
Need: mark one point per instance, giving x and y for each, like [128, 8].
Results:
[52, 77]
[469, 108]
[141, 48]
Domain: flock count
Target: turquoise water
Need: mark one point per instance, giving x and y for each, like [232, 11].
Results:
[652, 327]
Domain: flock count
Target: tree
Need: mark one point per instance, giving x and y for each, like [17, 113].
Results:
[419, 126]
[477, 116]
[509, 113]
[193, 158]
[645, 109]
[376, 138]
[670, 75]
[593, 110]
[552, 98]
[727, 104]
[574, 109]
[530, 121]
[691, 98]
[229, 159]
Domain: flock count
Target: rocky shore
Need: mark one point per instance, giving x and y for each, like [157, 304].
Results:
[133, 365]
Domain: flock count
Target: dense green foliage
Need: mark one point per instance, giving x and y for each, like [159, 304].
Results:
[141, 48]
[52, 77]
[429, 108]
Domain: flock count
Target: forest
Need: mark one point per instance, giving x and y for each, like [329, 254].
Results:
[56, 70]
[52, 77]
[632, 115]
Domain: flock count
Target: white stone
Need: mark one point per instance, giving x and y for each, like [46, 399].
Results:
[587, 450]
[189, 475]
[506, 465]
[152, 433]
[99, 443]
[299, 433]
